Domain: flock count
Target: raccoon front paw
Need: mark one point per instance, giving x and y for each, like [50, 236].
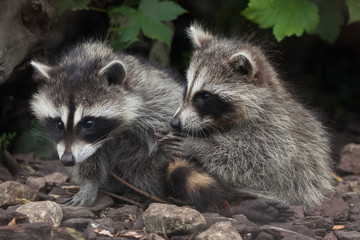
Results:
[263, 210]
[172, 144]
[161, 133]
[82, 199]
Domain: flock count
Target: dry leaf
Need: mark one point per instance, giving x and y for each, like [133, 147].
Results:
[338, 227]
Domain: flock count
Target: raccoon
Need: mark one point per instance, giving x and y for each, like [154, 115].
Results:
[242, 126]
[102, 108]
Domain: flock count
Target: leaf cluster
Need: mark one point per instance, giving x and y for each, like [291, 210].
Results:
[294, 17]
[6, 139]
[133, 18]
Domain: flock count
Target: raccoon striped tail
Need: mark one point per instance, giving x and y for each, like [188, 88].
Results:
[190, 184]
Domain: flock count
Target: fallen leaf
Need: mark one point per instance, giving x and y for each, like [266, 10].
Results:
[13, 221]
[338, 227]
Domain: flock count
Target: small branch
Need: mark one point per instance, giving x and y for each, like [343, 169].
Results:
[137, 189]
[122, 198]
[11, 163]
[98, 9]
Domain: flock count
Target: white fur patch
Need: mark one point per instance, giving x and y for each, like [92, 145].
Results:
[78, 114]
[64, 114]
[41, 68]
[198, 35]
[43, 107]
[60, 148]
[104, 69]
[82, 151]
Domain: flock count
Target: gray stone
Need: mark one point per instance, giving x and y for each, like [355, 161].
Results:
[264, 236]
[102, 202]
[101, 224]
[330, 236]
[351, 197]
[345, 235]
[353, 226]
[125, 213]
[350, 159]
[282, 233]
[355, 212]
[76, 212]
[36, 183]
[39, 231]
[334, 208]
[315, 222]
[79, 224]
[46, 211]
[67, 233]
[220, 231]
[160, 218]
[5, 175]
[56, 178]
[212, 218]
[12, 193]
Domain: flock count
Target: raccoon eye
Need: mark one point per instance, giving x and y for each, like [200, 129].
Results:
[206, 96]
[59, 125]
[88, 123]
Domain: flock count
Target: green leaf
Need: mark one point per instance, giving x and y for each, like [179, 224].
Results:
[126, 35]
[287, 17]
[160, 11]
[156, 30]
[74, 5]
[331, 18]
[354, 10]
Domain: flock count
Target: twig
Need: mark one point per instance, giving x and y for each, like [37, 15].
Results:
[13, 166]
[137, 190]
[122, 198]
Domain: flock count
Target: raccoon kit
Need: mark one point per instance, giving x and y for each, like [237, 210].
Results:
[101, 109]
[242, 127]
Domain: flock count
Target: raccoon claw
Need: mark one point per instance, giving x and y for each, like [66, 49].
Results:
[81, 200]
[264, 210]
[161, 133]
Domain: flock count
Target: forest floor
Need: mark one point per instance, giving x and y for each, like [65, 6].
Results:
[33, 190]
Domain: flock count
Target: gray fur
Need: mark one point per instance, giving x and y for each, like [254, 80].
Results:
[268, 145]
[144, 99]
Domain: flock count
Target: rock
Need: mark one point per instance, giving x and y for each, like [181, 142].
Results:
[7, 216]
[334, 208]
[350, 159]
[282, 233]
[76, 212]
[353, 226]
[27, 231]
[67, 233]
[345, 235]
[304, 230]
[12, 193]
[160, 218]
[354, 186]
[102, 202]
[243, 225]
[351, 197]
[264, 236]
[315, 222]
[46, 211]
[101, 224]
[36, 183]
[219, 231]
[5, 175]
[56, 178]
[79, 224]
[355, 212]
[125, 213]
[212, 218]
[330, 236]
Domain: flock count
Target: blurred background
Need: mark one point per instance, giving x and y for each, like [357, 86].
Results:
[319, 59]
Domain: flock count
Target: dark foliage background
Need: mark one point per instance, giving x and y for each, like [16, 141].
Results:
[325, 76]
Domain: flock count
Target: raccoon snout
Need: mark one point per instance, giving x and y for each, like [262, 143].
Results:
[68, 159]
[176, 123]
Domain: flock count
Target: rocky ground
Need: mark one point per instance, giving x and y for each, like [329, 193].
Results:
[32, 192]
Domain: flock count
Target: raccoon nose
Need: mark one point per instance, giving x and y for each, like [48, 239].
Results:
[175, 123]
[67, 159]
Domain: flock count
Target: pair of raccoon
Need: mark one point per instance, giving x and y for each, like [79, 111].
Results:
[238, 132]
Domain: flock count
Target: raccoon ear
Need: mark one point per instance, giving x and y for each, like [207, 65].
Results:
[42, 69]
[114, 72]
[241, 64]
[199, 36]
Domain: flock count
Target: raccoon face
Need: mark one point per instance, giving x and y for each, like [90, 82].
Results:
[223, 87]
[81, 115]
